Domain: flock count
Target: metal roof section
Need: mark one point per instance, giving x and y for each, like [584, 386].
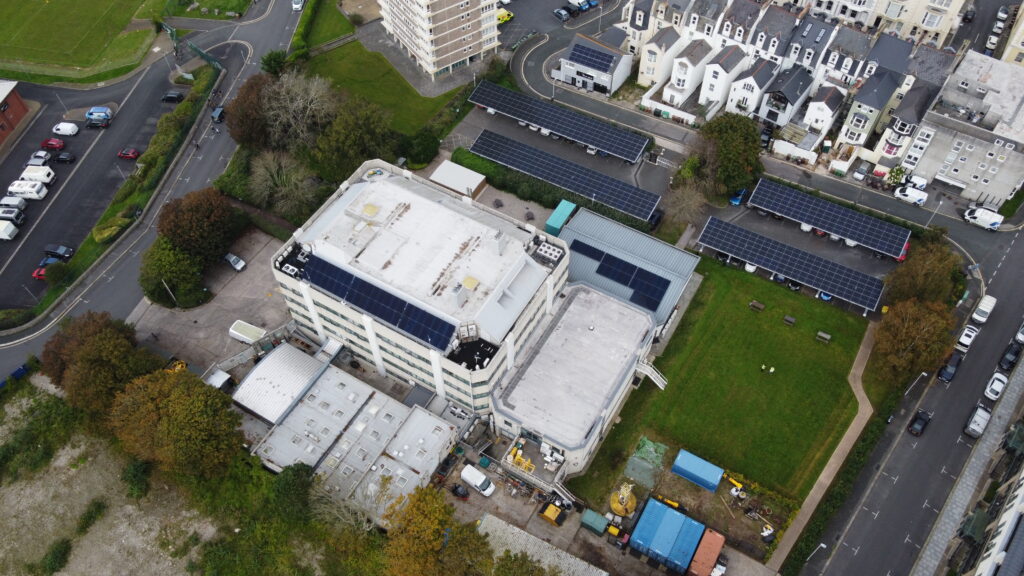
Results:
[798, 206]
[276, 382]
[577, 367]
[561, 121]
[504, 536]
[808, 269]
[457, 178]
[645, 252]
[570, 176]
[419, 258]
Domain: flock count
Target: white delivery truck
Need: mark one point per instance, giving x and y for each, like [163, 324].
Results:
[8, 231]
[983, 218]
[977, 421]
[27, 190]
[477, 479]
[43, 174]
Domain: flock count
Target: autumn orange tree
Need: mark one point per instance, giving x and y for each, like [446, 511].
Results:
[424, 539]
[177, 421]
[914, 336]
[520, 564]
[201, 223]
[929, 274]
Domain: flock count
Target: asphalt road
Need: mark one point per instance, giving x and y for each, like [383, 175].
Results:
[977, 32]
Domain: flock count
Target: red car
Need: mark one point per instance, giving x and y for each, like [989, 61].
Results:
[52, 144]
[128, 154]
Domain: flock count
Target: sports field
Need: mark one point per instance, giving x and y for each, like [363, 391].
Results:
[66, 33]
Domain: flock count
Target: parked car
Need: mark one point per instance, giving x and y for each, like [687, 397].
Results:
[235, 262]
[910, 195]
[825, 296]
[996, 385]
[967, 337]
[52, 144]
[297, 5]
[172, 96]
[561, 14]
[572, 10]
[737, 198]
[97, 123]
[919, 422]
[64, 158]
[998, 27]
[59, 251]
[39, 158]
[795, 286]
[969, 16]
[504, 15]
[1003, 13]
[948, 372]
[861, 173]
[128, 154]
[1019, 336]
[992, 42]
[1010, 356]
[65, 129]
[40, 272]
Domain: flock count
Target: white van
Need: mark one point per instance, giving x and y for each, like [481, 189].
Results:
[66, 129]
[983, 218]
[915, 181]
[246, 333]
[978, 421]
[13, 202]
[477, 479]
[43, 174]
[27, 190]
[984, 309]
[8, 231]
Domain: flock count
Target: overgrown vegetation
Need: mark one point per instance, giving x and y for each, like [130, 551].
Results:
[47, 425]
[54, 560]
[734, 145]
[135, 476]
[300, 38]
[93, 512]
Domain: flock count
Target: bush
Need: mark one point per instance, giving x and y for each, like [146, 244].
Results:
[136, 477]
[109, 229]
[356, 19]
[300, 38]
[171, 277]
[55, 559]
[57, 274]
[235, 180]
[50, 423]
[93, 512]
[14, 317]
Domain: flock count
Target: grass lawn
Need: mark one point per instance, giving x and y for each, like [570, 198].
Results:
[329, 24]
[71, 33]
[775, 430]
[358, 72]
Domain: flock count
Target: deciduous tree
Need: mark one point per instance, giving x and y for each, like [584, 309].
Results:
[246, 117]
[296, 108]
[914, 336]
[521, 564]
[736, 148]
[359, 132]
[274, 62]
[101, 367]
[177, 421]
[201, 223]
[60, 349]
[929, 274]
[280, 182]
[172, 277]
[417, 524]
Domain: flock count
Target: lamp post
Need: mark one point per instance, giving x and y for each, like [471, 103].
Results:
[820, 546]
[937, 206]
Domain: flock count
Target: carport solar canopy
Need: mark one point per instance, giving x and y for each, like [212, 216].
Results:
[814, 271]
[562, 121]
[832, 218]
[587, 183]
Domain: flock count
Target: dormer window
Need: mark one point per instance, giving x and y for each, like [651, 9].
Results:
[808, 56]
[847, 64]
[832, 59]
[693, 21]
[760, 40]
[773, 44]
[870, 69]
[708, 29]
[638, 18]
[739, 34]
[794, 52]
[726, 29]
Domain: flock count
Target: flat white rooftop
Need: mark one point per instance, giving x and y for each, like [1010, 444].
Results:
[430, 247]
[271, 387]
[457, 178]
[578, 367]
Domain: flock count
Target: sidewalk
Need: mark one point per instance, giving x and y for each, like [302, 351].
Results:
[839, 455]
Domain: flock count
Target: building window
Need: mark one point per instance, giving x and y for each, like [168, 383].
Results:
[982, 166]
[726, 29]
[748, 87]
[931, 20]
[760, 40]
[675, 19]
[714, 74]
[955, 170]
[773, 44]
[693, 21]
[963, 159]
[1001, 158]
[999, 142]
[870, 69]
[808, 56]
[708, 29]
[847, 64]
[958, 145]
[993, 170]
[649, 71]
[739, 34]
[1010, 146]
[964, 84]
[970, 147]
[832, 59]
[990, 154]
[652, 56]
[711, 87]
[985, 180]
[794, 51]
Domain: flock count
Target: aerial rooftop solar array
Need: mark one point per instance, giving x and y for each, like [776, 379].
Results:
[648, 287]
[561, 121]
[591, 58]
[865, 230]
[383, 305]
[814, 271]
[585, 182]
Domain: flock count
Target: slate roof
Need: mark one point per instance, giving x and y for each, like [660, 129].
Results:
[878, 89]
[729, 57]
[852, 43]
[707, 8]
[930, 65]
[776, 23]
[587, 41]
[891, 53]
[792, 83]
[616, 37]
[645, 7]
[916, 102]
[695, 51]
[812, 33]
[664, 39]
[743, 13]
[762, 71]
[831, 97]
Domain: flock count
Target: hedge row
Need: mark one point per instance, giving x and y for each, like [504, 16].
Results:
[300, 39]
[533, 190]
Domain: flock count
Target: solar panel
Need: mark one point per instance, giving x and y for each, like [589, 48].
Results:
[831, 217]
[648, 287]
[577, 179]
[561, 121]
[814, 271]
[591, 58]
[380, 303]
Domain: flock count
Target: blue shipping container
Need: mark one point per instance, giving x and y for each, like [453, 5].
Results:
[559, 217]
[667, 535]
[697, 470]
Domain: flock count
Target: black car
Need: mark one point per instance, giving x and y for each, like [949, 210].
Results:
[969, 16]
[1010, 357]
[58, 251]
[97, 123]
[919, 423]
[948, 372]
[64, 158]
[572, 10]
[172, 96]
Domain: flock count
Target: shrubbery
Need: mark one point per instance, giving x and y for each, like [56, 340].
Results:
[300, 39]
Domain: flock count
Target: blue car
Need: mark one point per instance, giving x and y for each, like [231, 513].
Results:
[738, 197]
[825, 296]
[592, 3]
